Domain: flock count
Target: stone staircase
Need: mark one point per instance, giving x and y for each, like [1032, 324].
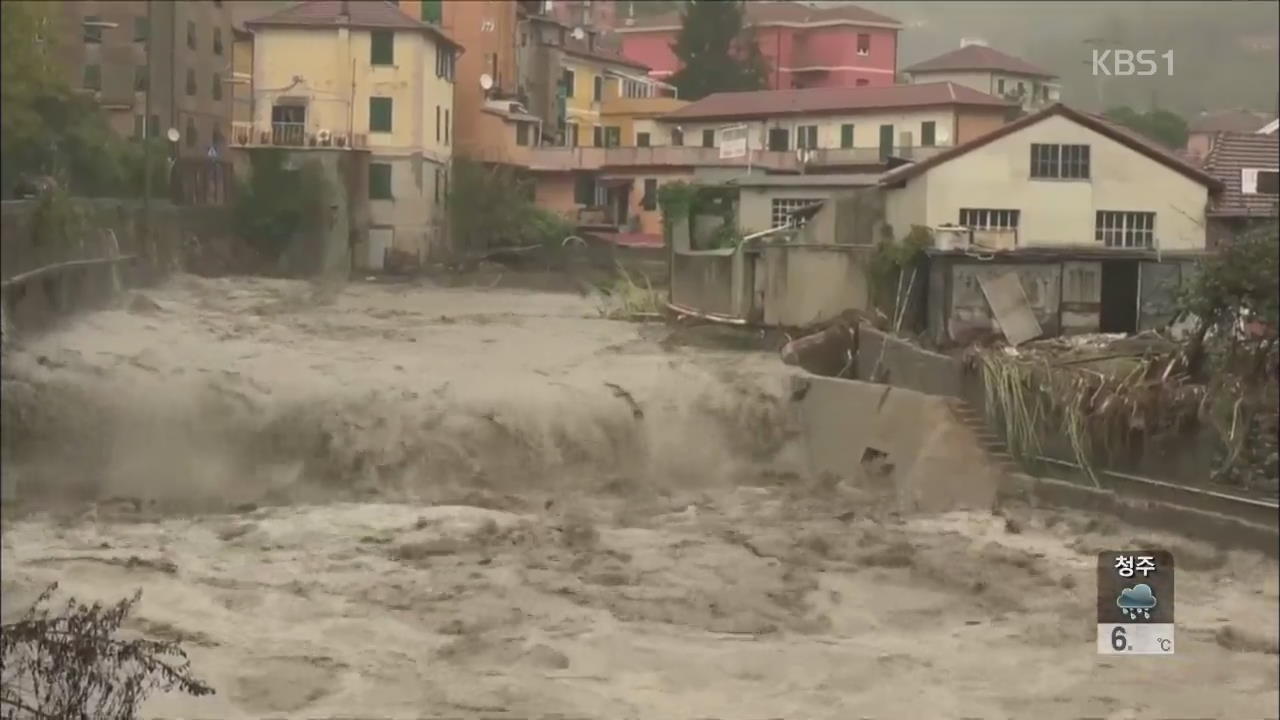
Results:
[992, 444]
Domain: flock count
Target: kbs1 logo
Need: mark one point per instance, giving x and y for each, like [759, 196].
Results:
[1131, 63]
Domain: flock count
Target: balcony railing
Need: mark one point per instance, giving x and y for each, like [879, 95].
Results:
[300, 135]
[595, 158]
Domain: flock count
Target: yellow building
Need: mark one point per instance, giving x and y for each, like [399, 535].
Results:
[591, 78]
[364, 76]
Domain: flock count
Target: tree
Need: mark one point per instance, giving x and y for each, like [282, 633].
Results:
[74, 665]
[717, 52]
[1161, 126]
[491, 206]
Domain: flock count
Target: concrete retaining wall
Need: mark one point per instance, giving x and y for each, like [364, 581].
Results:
[176, 233]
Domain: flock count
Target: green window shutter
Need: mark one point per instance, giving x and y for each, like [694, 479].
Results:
[380, 114]
[379, 181]
[846, 136]
[431, 11]
[93, 77]
[382, 47]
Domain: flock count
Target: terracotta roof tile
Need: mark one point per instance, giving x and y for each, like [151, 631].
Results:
[978, 57]
[1093, 122]
[581, 49]
[1233, 152]
[766, 13]
[769, 103]
[370, 14]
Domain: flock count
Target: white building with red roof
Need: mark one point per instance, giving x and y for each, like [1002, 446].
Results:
[978, 66]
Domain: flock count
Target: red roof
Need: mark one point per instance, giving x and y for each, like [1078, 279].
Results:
[1233, 152]
[770, 103]
[978, 57]
[365, 14]
[1124, 136]
[761, 13]
[579, 48]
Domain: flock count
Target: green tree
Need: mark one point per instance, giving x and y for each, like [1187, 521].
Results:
[1162, 126]
[717, 51]
[491, 206]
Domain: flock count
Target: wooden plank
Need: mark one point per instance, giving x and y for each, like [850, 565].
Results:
[1009, 305]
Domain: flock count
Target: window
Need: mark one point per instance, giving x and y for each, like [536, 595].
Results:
[677, 137]
[380, 114]
[1068, 162]
[92, 32]
[140, 78]
[444, 63]
[153, 129]
[139, 126]
[141, 29]
[807, 136]
[571, 135]
[93, 77]
[437, 187]
[584, 190]
[191, 132]
[612, 136]
[380, 181]
[216, 89]
[708, 138]
[438, 130]
[522, 134]
[597, 88]
[191, 35]
[382, 47]
[191, 81]
[218, 139]
[566, 79]
[445, 177]
[1000, 86]
[597, 136]
[846, 135]
[780, 213]
[864, 44]
[1257, 181]
[217, 41]
[1125, 229]
[862, 82]
[928, 133]
[650, 199]
[446, 126]
[1022, 88]
[984, 219]
[642, 139]
[779, 140]
[886, 141]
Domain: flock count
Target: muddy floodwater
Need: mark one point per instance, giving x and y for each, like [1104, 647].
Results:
[405, 501]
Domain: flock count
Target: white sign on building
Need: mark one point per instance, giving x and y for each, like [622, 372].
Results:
[733, 142]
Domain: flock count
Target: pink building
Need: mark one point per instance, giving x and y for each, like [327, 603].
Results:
[806, 47]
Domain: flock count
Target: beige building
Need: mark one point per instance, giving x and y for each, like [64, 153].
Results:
[1097, 223]
[103, 47]
[985, 69]
[364, 76]
[836, 127]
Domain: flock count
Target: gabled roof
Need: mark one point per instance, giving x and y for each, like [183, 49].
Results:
[774, 13]
[979, 57]
[1099, 125]
[1233, 152]
[580, 49]
[1239, 120]
[363, 14]
[772, 103]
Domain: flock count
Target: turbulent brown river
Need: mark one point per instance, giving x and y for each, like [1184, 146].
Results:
[409, 501]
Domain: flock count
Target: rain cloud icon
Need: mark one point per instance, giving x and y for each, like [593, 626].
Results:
[1137, 600]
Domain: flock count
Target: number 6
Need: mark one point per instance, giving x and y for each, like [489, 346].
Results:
[1118, 641]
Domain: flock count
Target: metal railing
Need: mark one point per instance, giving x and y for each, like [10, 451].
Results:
[248, 134]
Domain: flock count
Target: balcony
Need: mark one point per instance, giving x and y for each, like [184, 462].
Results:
[553, 159]
[296, 135]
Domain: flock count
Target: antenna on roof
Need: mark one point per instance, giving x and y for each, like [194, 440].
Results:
[578, 33]
[486, 82]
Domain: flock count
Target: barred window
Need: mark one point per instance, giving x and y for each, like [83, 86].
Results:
[783, 207]
[1069, 162]
[987, 219]
[1125, 229]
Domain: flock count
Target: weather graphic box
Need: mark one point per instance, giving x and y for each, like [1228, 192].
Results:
[1135, 602]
